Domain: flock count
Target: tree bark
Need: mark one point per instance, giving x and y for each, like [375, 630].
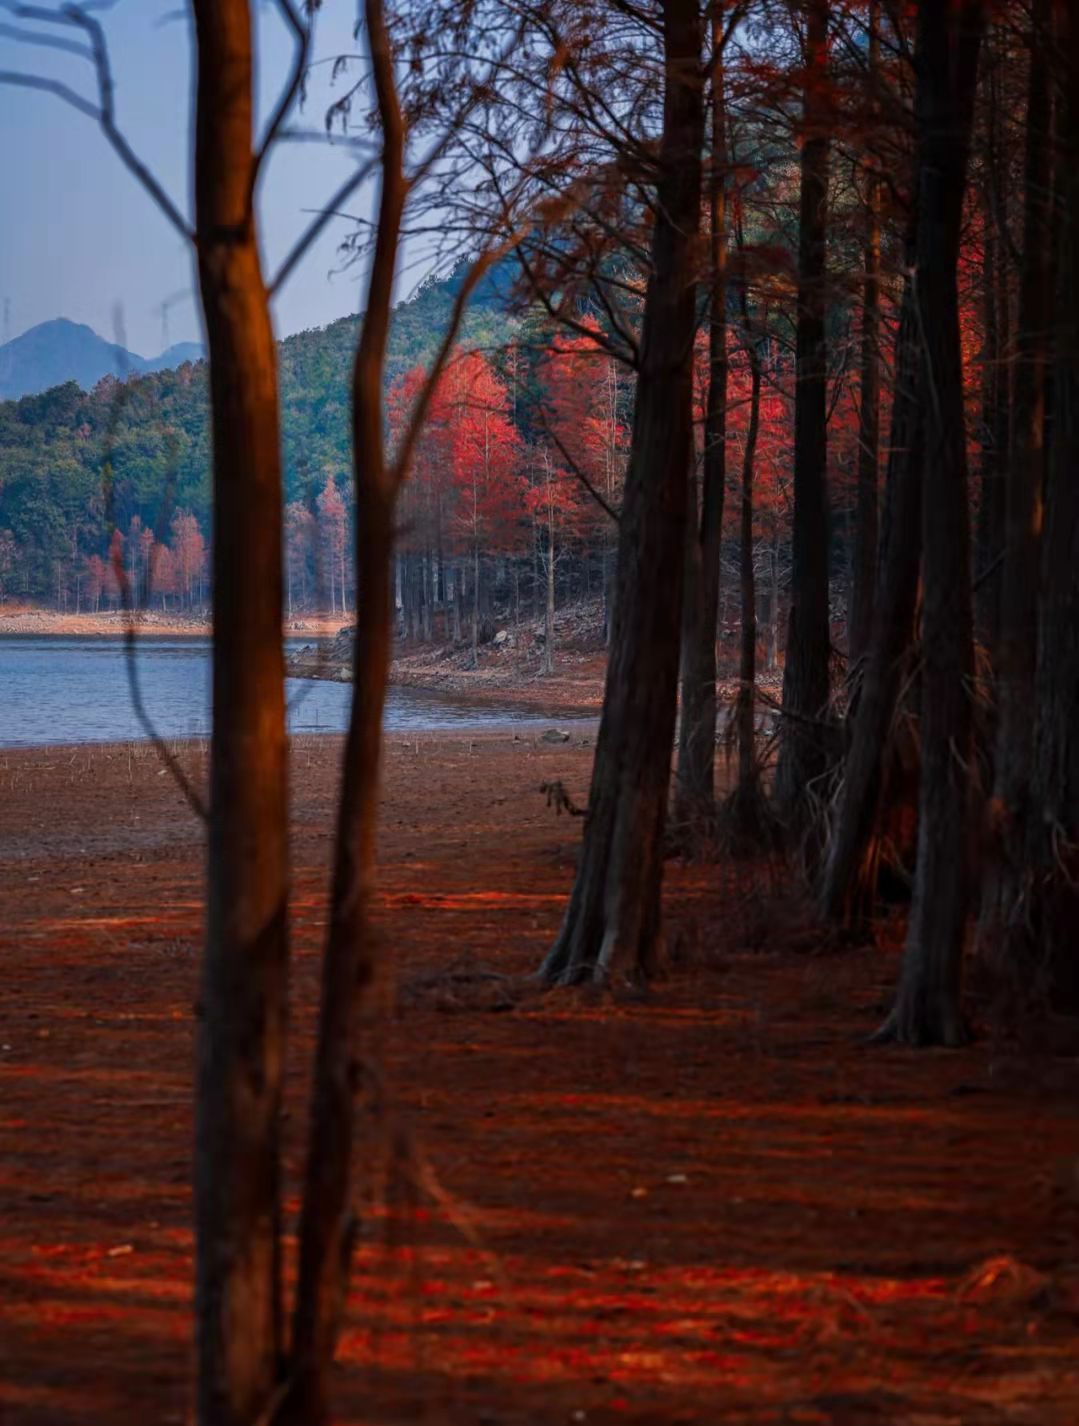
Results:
[747, 672]
[865, 537]
[996, 404]
[614, 910]
[1024, 513]
[350, 974]
[927, 1010]
[1051, 902]
[849, 882]
[244, 972]
[695, 784]
[548, 618]
[803, 753]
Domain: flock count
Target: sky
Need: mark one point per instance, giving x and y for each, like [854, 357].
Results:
[79, 237]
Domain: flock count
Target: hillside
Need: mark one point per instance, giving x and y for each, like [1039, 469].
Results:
[151, 433]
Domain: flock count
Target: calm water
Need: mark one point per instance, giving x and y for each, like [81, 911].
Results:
[57, 690]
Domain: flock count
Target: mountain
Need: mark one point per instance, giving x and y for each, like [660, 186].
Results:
[175, 356]
[59, 351]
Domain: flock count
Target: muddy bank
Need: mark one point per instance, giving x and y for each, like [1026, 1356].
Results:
[509, 667]
[711, 1205]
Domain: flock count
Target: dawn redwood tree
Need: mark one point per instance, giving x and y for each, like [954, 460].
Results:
[803, 750]
[1016, 648]
[694, 802]
[353, 984]
[614, 909]
[865, 536]
[927, 1009]
[1043, 894]
[243, 992]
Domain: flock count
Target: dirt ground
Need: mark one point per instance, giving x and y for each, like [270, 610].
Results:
[712, 1204]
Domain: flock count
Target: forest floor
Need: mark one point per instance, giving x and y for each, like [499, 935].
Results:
[713, 1203]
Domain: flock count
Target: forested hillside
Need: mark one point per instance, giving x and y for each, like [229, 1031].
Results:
[77, 466]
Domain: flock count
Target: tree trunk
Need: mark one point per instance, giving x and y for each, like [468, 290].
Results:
[803, 755]
[1024, 513]
[849, 882]
[351, 962]
[614, 910]
[695, 784]
[927, 1009]
[865, 536]
[243, 989]
[1043, 941]
[548, 621]
[747, 672]
[996, 410]
[475, 603]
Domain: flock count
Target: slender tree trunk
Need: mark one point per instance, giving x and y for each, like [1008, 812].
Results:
[849, 882]
[773, 610]
[614, 911]
[996, 406]
[350, 974]
[475, 603]
[803, 753]
[695, 785]
[1024, 513]
[747, 672]
[1042, 940]
[548, 623]
[243, 988]
[927, 1010]
[865, 537]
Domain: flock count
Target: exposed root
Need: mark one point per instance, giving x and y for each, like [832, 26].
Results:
[560, 800]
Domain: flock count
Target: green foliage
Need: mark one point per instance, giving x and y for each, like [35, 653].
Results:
[76, 465]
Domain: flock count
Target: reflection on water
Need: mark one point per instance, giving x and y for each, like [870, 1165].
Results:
[70, 690]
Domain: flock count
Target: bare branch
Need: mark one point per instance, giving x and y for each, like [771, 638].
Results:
[302, 36]
[322, 217]
[104, 113]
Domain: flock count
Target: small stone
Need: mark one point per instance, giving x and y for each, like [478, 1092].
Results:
[554, 735]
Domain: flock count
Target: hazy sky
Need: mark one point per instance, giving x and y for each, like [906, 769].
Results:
[80, 239]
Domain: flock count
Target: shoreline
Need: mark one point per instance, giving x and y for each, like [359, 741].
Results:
[25, 619]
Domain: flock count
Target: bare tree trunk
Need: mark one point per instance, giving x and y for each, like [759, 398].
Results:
[849, 882]
[548, 621]
[803, 753]
[475, 603]
[773, 610]
[695, 785]
[244, 972]
[1042, 940]
[996, 406]
[747, 672]
[865, 538]
[351, 962]
[614, 911]
[1017, 646]
[927, 1010]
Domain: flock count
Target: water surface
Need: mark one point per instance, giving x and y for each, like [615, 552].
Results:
[75, 690]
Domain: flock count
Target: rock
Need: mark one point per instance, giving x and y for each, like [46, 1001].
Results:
[554, 735]
[502, 637]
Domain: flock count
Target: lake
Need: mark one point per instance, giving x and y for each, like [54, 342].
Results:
[72, 690]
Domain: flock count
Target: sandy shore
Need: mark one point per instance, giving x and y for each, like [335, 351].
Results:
[151, 623]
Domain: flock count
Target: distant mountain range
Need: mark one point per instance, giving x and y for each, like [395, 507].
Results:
[55, 352]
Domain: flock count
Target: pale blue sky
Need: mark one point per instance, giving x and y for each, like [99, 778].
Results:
[79, 238]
